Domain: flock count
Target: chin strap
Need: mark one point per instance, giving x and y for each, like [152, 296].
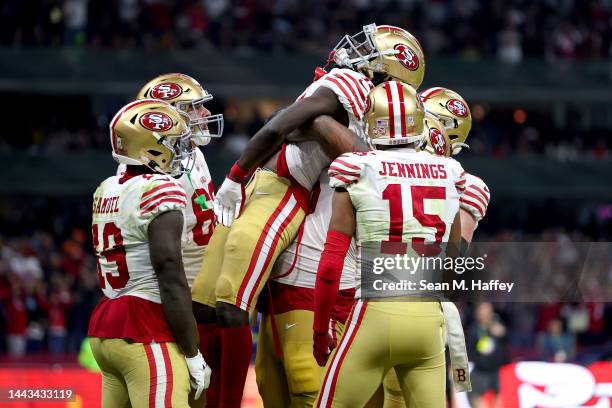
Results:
[320, 71]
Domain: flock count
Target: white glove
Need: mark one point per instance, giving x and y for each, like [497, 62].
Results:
[199, 372]
[228, 201]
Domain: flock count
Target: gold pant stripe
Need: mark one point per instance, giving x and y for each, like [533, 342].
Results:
[268, 240]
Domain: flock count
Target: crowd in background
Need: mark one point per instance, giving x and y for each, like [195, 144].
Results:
[508, 29]
[64, 127]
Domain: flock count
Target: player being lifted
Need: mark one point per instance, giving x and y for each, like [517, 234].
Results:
[238, 260]
[143, 332]
[375, 201]
[287, 373]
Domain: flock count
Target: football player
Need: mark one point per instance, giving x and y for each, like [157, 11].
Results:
[143, 333]
[454, 114]
[239, 259]
[450, 123]
[189, 98]
[287, 373]
[376, 203]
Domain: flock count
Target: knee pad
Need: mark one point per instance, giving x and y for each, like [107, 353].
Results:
[303, 373]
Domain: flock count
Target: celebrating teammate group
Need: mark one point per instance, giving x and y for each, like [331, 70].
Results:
[360, 156]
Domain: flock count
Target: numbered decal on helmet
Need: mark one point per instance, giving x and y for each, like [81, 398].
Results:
[156, 121]
[437, 141]
[457, 108]
[407, 57]
[166, 90]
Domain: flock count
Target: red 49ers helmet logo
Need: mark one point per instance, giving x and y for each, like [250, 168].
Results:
[156, 121]
[437, 141]
[166, 90]
[456, 107]
[368, 105]
[407, 57]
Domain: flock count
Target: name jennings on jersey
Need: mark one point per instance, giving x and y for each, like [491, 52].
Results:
[399, 195]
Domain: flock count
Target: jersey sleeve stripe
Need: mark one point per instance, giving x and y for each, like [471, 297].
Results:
[163, 201]
[168, 193]
[161, 186]
[347, 180]
[485, 194]
[349, 165]
[344, 92]
[343, 172]
[359, 87]
[359, 103]
[474, 196]
[471, 204]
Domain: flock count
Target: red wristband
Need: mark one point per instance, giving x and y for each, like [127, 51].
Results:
[238, 174]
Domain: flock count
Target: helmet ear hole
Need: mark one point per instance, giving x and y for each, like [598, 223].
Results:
[453, 137]
[154, 153]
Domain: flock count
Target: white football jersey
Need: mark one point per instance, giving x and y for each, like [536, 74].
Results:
[297, 265]
[400, 195]
[476, 197]
[306, 160]
[122, 212]
[199, 216]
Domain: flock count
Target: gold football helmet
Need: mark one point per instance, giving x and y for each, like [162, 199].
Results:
[188, 97]
[153, 133]
[387, 50]
[394, 115]
[452, 111]
[436, 139]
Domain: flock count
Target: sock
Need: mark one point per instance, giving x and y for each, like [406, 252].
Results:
[210, 347]
[237, 347]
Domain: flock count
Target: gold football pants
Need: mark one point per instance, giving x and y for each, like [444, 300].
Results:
[238, 260]
[407, 336]
[293, 378]
[141, 375]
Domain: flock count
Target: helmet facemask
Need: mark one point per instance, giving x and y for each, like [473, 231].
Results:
[183, 151]
[203, 125]
[357, 51]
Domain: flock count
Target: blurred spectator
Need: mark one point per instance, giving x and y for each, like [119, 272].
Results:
[556, 344]
[572, 29]
[485, 341]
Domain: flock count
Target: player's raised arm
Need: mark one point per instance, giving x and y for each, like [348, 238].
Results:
[230, 197]
[273, 133]
[335, 138]
[165, 250]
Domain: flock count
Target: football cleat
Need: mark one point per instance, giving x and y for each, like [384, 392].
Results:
[188, 97]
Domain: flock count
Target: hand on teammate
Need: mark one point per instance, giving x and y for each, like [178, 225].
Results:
[228, 201]
[199, 372]
[324, 344]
